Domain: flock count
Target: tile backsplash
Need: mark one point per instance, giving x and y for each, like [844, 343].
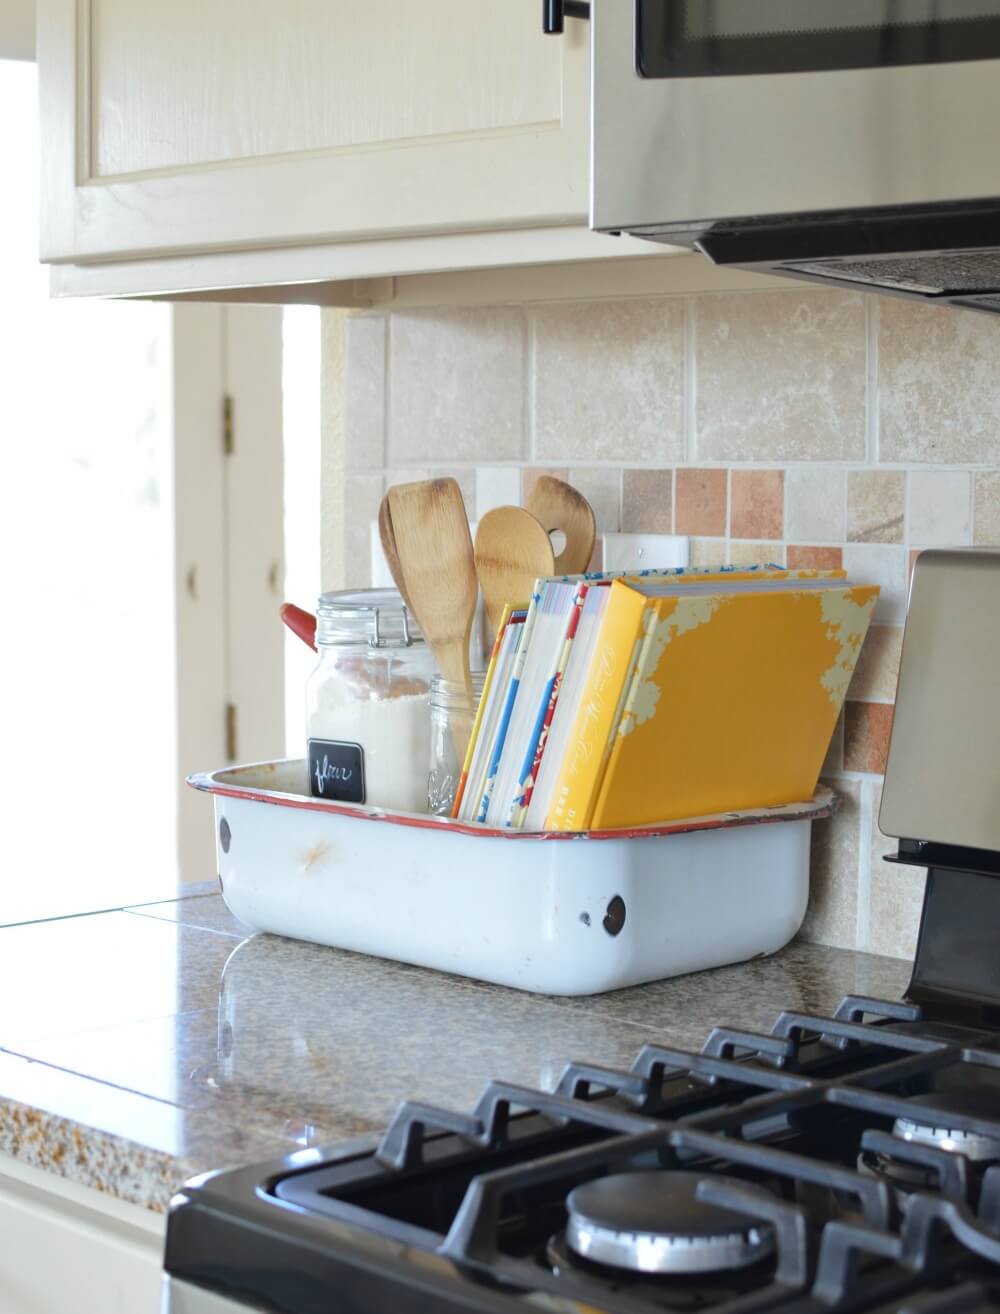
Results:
[810, 428]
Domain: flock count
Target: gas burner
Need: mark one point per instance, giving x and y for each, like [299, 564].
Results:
[652, 1222]
[937, 1130]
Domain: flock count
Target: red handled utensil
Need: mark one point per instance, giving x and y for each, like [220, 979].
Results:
[302, 623]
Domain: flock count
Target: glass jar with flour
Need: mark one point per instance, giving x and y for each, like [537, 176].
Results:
[368, 718]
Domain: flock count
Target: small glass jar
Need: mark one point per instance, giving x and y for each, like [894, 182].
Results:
[367, 702]
[452, 715]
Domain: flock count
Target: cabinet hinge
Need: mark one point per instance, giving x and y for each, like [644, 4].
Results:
[231, 732]
[228, 442]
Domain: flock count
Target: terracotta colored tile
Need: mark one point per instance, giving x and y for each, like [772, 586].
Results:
[758, 504]
[742, 552]
[832, 915]
[531, 473]
[938, 399]
[780, 376]
[609, 380]
[877, 670]
[814, 558]
[701, 501]
[988, 508]
[897, 895]
[833, 763]
[647, 501]
[866, 736]
[875, 506]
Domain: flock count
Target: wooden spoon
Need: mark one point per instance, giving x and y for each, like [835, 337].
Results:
[512, 551]
[432, 553]
[389, 549]
[558, 506]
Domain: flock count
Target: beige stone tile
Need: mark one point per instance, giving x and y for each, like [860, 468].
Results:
[362, 495]
[814, 504]
[940, 508]
[497, 485]
[647, 501]
[757, 504]
[875, 506]
[798, 556]
[896, 896]
[707, 551]
[832, 915]
[602, 487]
[877, 670]
[780, 376]
[609, 381]
[938, 399]
[987, 525]
[456, 385]
[364, 392]
[701, 501]
[743, 552]
[885, 565]
[866, 736]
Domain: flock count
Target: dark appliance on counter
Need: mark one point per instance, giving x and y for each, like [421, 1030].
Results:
[850, 142]
[843, 1163]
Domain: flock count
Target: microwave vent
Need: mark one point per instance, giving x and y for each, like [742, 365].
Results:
[952, 273]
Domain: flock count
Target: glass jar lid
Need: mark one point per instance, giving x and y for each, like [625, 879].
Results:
[378, 618]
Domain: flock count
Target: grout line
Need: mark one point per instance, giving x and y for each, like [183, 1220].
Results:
[864, 919]
[689, 423]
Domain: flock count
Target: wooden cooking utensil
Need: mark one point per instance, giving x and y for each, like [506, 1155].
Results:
[389, 549]
[558, 506]
[432, 553]
[512, 551]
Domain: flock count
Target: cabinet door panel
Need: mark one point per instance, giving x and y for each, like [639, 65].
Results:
[210, 126]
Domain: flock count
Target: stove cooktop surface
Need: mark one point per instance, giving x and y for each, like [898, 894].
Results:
[843, 1163]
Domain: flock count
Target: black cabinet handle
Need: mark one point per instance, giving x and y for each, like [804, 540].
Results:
[554, 11]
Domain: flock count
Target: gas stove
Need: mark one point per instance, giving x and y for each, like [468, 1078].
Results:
[843, 1163]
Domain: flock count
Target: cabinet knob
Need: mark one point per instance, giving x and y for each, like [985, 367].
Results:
[554, 11]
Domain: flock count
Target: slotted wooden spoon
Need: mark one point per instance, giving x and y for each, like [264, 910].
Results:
[512, 551]
[430, 556]
[556, 505]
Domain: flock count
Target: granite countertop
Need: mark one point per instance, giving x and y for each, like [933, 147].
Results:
[141, 1046]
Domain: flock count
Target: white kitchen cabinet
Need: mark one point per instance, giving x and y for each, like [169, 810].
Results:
[68, 1249]
[315, 138]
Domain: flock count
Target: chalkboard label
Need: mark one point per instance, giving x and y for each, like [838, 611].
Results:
[336, 770]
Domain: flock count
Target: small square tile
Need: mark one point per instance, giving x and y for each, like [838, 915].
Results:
[780, 376]
[866, 736]
[940, 507]
[701, 501]
[364, 392]
[497, 485]
[530, 474]
[875, 504]
[896, 897]
[937, 396]
[877, 670]
[814, 510]
[456, 384]
[742, 552]
[988, 509]
[832, 915]
[647, 501]
[707, 551]
[885, 565]
[609, 380]
[757, 507]
[798, 557]
[602, 487]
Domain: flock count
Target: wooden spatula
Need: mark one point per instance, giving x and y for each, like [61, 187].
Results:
[512, 551]
[558, 506]
[432, 552]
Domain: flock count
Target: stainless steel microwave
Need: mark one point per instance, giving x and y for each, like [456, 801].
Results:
[846, 141]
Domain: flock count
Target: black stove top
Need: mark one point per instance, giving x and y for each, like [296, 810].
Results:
[844, 1163]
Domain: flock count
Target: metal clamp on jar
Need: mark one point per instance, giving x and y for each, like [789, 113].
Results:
[367, 702]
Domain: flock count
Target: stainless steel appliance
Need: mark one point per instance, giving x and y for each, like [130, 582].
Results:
[847, 141]
[835, 1164]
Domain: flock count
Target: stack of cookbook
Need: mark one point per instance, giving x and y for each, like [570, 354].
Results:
[627, 700]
